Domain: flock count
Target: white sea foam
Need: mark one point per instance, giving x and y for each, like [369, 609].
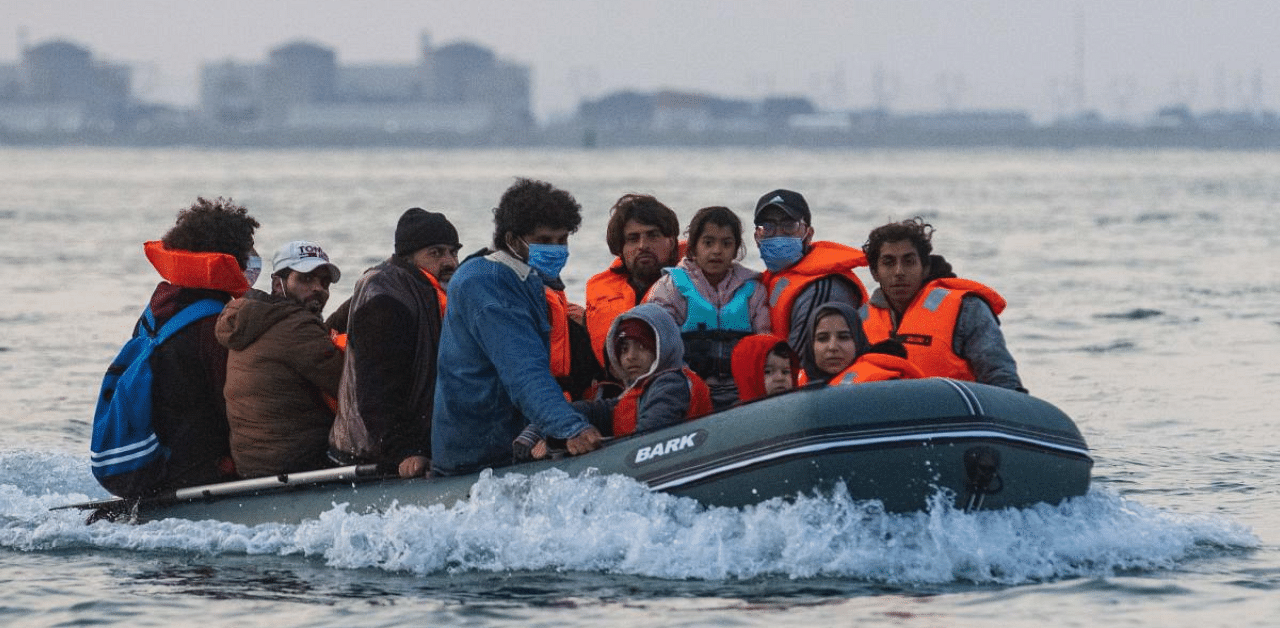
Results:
[615, 525]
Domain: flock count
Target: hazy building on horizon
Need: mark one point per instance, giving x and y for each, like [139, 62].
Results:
[464, 94]
[671, 111]
[58, 87]
[460, 88]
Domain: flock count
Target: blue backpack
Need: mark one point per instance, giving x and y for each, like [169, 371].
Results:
[123, 438]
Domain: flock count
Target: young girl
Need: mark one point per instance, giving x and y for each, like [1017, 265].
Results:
[715, 300]
[764, 365]
[840, 354]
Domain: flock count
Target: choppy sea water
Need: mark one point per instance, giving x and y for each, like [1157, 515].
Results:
[1144, 301]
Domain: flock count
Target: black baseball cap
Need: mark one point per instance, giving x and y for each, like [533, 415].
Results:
[792, 203]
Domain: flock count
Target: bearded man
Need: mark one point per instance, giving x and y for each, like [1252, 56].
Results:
[644, 235]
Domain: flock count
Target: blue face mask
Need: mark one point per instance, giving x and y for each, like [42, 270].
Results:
[548, 258]
[781, 251]
[252, 269]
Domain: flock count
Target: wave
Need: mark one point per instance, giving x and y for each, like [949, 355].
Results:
[614, 525]
[1115, 345]
[1135, 314]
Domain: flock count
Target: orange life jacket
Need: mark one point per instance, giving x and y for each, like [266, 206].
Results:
[823, 259]
[609, 294]
[189, 269]
[624, 414]
[876, 367]
[928, 326]
[440, 293]
[749, 358]
[558, 315]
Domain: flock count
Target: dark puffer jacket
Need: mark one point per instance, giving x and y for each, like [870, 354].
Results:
[280, 364]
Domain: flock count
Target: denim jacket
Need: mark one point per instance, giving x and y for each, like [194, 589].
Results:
[494, 374]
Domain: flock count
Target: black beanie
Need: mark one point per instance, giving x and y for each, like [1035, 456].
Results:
[419, 229]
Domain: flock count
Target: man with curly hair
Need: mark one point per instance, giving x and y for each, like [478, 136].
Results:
[948, 324]
[494, 376]
[204, 256]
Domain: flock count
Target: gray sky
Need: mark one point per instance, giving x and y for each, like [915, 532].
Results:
[1023, 54]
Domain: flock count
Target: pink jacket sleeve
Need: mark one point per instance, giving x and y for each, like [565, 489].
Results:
[664, 293]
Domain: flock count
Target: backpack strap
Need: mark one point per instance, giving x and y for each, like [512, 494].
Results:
[124, 440]
[190, 314]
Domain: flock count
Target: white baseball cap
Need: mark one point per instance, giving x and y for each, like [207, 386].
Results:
[303, 256]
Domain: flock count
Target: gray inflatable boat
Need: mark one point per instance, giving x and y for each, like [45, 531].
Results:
[898, 442]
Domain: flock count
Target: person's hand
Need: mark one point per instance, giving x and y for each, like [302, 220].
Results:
[539, 450]
[586, 440]
[524, 444]
[414, 466]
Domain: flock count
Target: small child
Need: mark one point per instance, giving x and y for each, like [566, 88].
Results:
[715, 300]
[764, 365]
[643, 346]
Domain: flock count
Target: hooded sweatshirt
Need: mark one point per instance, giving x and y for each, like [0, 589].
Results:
[280, 364]
[850, 315]
[669, 393]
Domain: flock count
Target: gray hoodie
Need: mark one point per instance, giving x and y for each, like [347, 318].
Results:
[666, 399]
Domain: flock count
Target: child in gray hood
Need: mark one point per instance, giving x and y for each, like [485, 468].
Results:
[663, 393]
[644, 347]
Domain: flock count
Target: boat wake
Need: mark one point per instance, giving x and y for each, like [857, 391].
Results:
[612, 524]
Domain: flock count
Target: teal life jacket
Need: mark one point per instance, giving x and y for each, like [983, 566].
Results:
[711, 333]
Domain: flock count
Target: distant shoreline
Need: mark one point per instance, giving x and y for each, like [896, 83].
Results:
[581, 137]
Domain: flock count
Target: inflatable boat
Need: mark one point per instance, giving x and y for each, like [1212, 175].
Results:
[898, 442]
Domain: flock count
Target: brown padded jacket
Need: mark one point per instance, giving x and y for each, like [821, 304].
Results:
[279, 364]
